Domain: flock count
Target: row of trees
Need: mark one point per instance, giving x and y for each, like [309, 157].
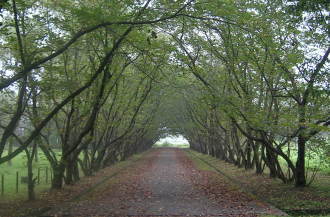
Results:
[244, 81]
[263, 91]
[78, 79]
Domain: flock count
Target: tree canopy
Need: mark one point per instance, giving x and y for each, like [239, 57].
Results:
[244, 81]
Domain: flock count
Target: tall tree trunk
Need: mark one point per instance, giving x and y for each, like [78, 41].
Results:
[31, 180]
[300, 179]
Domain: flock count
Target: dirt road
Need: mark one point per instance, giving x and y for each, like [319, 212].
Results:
[165, 182]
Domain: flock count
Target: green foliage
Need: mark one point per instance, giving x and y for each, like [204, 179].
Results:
[236, 75]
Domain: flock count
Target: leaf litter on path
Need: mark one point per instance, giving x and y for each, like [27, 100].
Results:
[165, 183]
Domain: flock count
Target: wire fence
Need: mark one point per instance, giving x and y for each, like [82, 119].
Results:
[16, 183]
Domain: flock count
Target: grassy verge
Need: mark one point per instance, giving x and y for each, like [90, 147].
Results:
[54, 198]
[19, 166]
[308, 201]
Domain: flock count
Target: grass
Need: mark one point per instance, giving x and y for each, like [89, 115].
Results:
[170, 145]
[317, 156]
[273, 191]
[19, 164]
[70, 193]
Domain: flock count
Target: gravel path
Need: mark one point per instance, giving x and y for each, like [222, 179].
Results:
[165, 183]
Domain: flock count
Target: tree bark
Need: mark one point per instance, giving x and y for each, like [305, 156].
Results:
[58, 171]
[10, 150]
[31, 180]
[300, 178]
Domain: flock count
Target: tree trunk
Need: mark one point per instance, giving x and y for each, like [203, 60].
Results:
[269, 160]
[257, 159]
[58, 170]
[69, 170]
[231, 158]
[36, 153]
[31, 181]
[10, 150]
[300, 178]
[76, 176]
[248, 151]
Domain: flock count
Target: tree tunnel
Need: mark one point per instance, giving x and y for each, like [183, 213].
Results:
[99, 81]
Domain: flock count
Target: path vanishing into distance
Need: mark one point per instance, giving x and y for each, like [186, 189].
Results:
[165, 182]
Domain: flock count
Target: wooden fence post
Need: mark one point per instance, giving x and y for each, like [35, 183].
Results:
[51, 175]
[2, 184]
[17, 181]
[46, 175]
[38, 175]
